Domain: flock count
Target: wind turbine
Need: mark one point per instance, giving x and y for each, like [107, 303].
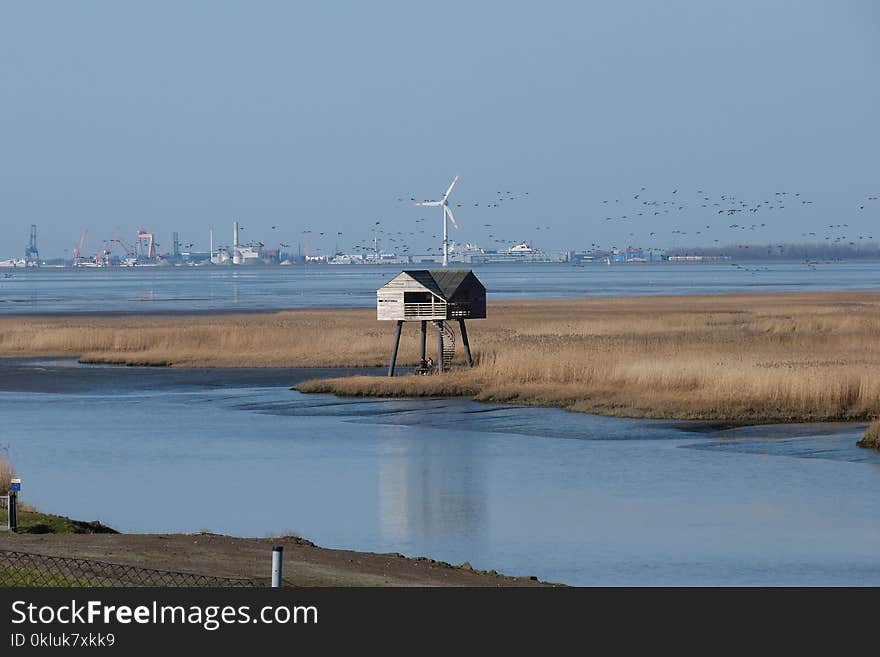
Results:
[444, 203]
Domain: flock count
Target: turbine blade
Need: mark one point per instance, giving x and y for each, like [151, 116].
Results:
[452, 218]
[429, 204]
[449, 191]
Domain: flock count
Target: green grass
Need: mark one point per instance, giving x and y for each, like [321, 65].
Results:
[34, 522]
[32, 578]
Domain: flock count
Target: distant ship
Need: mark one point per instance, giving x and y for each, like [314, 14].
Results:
[522, 252]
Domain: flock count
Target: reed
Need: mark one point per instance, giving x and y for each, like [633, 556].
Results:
[5, 474]
[872, 436]
[769, 357]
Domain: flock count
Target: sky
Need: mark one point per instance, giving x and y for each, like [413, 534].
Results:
[321, 117]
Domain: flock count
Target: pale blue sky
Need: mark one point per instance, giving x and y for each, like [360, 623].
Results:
[319, 116]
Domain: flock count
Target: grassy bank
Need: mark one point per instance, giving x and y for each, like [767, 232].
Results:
[31, 521]
[767, 357]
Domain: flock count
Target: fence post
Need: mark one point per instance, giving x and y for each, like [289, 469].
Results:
[277, 554]
[13, 511]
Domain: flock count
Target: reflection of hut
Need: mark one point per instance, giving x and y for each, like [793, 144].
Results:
[435, 296]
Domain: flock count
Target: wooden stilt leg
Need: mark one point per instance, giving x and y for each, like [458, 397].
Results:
[467, 345]
[424, 342]
[396, 345]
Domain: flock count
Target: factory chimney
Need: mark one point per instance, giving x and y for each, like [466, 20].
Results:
[236, 254]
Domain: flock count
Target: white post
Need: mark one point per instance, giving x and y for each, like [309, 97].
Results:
[236, 255]
[445, 243]
[211, 252]
[277, 553]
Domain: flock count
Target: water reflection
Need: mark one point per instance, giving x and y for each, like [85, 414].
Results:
[428, 492]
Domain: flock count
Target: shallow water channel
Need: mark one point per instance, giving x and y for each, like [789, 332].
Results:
[567, 497]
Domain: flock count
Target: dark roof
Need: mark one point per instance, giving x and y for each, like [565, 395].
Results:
[424, 277]
[443, 282]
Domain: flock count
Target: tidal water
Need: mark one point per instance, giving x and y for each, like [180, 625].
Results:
[201, 289]
[567, 497]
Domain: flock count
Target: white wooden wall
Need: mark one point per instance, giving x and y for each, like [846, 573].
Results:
[389, 303]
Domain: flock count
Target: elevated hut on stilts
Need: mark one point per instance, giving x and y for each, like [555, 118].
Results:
[437, 296]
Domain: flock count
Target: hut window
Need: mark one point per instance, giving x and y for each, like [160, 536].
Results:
[417, 297]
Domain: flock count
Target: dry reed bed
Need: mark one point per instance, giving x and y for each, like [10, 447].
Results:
[771, 357]
[872, 436]
[5, 475]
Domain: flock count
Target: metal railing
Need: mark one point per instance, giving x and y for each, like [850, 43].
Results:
[41, 570]
[415, 310]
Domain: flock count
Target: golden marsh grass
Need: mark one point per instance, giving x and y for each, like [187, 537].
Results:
[872, 436]
[770, 357]
[5, 475]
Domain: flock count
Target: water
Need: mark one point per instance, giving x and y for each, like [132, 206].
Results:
[528, 491]
[184, 289]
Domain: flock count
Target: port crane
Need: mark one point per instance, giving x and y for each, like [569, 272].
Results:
[78, 247]
[102, 257]
[129, 250]
[145, 239]
[31, 253]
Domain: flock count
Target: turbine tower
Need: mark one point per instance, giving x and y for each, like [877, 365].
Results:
[444, 203]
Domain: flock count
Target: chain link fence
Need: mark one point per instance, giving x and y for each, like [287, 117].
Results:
[39, 570]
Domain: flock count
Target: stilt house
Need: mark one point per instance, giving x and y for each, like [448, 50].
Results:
[437, 296]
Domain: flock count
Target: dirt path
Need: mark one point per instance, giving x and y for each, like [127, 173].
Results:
[305, 564]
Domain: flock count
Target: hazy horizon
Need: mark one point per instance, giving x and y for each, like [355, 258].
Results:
[720, 123]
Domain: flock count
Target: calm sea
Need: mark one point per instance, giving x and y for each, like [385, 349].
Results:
[183, 289]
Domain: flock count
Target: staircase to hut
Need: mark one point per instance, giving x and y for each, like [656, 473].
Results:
[448, 344]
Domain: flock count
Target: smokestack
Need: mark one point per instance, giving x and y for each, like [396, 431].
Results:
[236, 255]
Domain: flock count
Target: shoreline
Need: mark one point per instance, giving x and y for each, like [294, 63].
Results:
[379, 387]
[218, 555]
[215, 555]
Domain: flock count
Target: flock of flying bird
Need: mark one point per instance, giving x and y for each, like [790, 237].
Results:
[641, 218]
[426, 231]
[665, 214]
